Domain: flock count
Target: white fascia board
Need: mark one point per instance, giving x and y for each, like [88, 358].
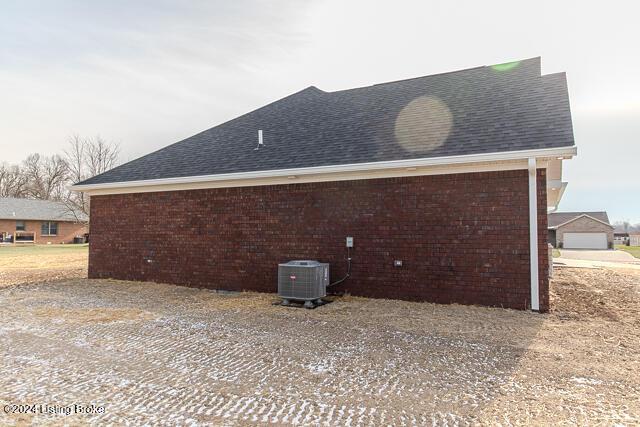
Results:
[557, 188]
[439, 165]
[562, 190]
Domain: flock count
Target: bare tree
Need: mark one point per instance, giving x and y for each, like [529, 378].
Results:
[625, 226]
[75, 158]
[13, 183]
[86, 157]
[100, 155]
[46, 176]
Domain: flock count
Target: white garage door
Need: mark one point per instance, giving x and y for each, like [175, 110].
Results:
[585, 240]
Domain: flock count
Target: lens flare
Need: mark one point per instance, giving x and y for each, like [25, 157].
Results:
[424, 124]
[506, 66]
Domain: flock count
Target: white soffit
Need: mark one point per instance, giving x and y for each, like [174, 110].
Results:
[413, 167]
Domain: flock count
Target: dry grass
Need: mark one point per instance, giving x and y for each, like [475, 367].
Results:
[42, 263]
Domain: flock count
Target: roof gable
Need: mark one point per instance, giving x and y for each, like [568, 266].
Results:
[558, 219]
[474, 111]
[42, 210]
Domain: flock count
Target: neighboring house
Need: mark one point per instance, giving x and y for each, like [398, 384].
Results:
[580, 230]
[38, 221]
[441, 181]
[620, 238]
[634, 239]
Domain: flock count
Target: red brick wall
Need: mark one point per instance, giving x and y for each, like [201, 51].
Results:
[462, 238]
[543, 242]
[66, 230]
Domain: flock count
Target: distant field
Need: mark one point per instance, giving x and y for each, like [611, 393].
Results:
[633, 250]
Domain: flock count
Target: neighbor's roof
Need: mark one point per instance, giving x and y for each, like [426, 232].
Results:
[489, 109]
[42, 210]
[558, 218]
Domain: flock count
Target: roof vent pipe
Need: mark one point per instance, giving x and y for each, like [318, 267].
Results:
[260, 142]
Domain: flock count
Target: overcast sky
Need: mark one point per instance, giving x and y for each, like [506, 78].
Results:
[149, 73]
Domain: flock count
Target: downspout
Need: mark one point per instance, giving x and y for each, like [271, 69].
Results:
[533, 233]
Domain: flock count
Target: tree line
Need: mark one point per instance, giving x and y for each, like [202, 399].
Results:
[626, 227]
[48, 177]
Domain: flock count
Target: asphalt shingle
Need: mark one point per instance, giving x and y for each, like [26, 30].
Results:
[557, 218]
[479, 110]
[40, 210]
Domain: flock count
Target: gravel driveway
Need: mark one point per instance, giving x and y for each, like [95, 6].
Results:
[161, 354]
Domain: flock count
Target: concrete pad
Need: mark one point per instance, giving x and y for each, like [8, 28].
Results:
[580, 263]
[598, 255]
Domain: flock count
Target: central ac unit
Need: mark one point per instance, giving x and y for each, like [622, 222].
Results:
[303, 280]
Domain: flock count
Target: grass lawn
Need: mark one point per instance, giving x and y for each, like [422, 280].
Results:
[633, 250]
[30, 263]
[29, 249]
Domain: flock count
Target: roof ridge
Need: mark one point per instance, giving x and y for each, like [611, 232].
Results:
[435, 74]
[312, 127]
[401, 80]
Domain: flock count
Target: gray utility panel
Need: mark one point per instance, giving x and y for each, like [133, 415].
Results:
[303, 280]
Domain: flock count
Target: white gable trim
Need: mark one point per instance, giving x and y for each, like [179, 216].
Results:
[413, 167]
[555, 227]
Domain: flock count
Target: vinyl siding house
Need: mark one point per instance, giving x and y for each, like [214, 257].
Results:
[580, 230]
[443, 181]
[621, 238]
[39, 222]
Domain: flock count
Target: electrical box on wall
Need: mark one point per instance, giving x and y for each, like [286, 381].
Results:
[349, 242]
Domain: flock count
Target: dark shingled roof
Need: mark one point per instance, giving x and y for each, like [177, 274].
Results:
[488, 109]
[557, 218]
[41, 210]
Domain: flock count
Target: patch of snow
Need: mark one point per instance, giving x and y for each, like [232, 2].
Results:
[583, 380]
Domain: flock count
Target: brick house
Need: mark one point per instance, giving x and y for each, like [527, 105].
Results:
[39, 221]
[580, 230]
[443, 181]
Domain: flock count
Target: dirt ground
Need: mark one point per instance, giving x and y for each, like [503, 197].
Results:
[160, 354]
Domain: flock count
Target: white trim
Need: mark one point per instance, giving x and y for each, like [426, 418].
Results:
[533, 234]
[562, 190]
[300, 179]
[555, 227]
[327, 173]
[558, 187]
